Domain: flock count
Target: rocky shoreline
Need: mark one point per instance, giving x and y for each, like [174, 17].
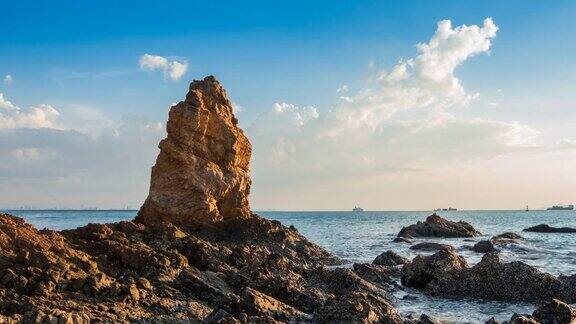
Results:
[197, 254]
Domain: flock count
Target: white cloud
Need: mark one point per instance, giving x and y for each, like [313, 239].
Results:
[172, 70]
[342, 89]
[8, 79]
[425, 81]
[41, 116]
[400, 124]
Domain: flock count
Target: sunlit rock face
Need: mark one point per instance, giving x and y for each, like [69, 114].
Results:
[202, 171]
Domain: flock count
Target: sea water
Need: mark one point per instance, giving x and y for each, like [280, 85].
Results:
[361, 236]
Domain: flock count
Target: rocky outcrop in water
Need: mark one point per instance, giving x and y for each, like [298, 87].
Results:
[483, 247]
[390, 259]
[446, 274]
[436, 226]
[201, 173]
[431, 246]
[544, 228]
[552, 312]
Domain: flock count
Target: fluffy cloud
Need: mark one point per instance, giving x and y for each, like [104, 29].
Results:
[8, 79]
[11, 116]
[172, 70]
[400, 124]
[425, 81]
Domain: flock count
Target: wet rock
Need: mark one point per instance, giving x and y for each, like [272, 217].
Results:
[483, 247]
[508, 236]
[202, 172]
[425, 319]
[390, 259]
[544, 228]
[436, 226]
[430, 246]
[555, 312]
[401, 240]
[443, 274]
[425, 269]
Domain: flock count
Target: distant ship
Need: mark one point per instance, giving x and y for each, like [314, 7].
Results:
[446, 209]
[357, 209]
[561, 207]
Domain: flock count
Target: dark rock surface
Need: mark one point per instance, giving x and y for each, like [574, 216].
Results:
[431, 246]
[436, 226]
[544, 228]
[508, 236]
[552, 312]
[483, 247]
[390, 259]
[446, 274]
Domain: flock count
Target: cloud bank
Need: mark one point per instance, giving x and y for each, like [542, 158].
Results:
[172, 70]
[403, 122]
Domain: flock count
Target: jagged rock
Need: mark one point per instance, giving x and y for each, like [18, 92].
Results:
[446, 274]
[431, 246]
[552, 312]
[376, 274]
[555, 312]
[357, 308]
[389, 259]
[483, 247]
[201, 173]
[544, 228]
[436, 226]
[424, 269]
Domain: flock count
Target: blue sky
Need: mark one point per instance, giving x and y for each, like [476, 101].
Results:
[82, 57]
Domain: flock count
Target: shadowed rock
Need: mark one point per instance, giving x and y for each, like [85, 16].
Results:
[507, 236]
[201, 173]
[390, 259]
[431, 246]
[552, 312]
[483, 247]
[436, 226]
[447, 274]
[544, 228]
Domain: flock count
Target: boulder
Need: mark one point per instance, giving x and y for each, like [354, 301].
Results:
[436, 226]
[446, 274]
[431, 246]
[202, 171]
[425, 269]
[544, 228]
[555, 312]
[483, 247]
[389, 259]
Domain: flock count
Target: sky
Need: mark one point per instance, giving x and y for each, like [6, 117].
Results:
[388, 105]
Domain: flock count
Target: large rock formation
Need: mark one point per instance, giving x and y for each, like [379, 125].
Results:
[447, 274]
[436, 226]
[201, 173]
